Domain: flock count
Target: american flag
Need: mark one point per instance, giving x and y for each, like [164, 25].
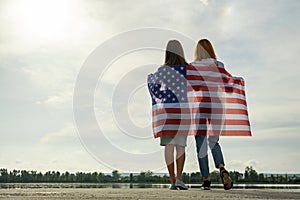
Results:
[198, 99]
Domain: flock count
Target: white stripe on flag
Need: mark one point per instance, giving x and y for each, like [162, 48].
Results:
[199, 116]
[211, 74]
[200, 127]
[200, 105]
[207, 83]
[216, 94]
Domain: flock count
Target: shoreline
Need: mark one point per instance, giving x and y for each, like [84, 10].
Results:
[140, 185]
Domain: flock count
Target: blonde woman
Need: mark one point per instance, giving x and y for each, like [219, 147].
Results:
[205, 56]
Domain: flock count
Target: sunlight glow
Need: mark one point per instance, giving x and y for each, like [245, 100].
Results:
[47, 19]
[227, 11]
[205, 2]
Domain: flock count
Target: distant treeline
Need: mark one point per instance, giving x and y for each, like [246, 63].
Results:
[31, 176]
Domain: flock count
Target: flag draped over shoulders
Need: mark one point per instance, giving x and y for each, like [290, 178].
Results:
[170, 107]
[218, 100]
[198, 99]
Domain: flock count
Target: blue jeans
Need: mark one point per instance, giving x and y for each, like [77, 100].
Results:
[213, 143]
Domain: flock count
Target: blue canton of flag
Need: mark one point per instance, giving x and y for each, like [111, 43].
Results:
[168, 85]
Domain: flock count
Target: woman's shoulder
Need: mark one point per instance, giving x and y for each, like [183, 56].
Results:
[206, 62]
[166, 67]
[203, 62]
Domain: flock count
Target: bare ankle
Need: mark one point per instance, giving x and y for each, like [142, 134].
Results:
[173, 180]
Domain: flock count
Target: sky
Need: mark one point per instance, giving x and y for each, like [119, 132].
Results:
[45, 47]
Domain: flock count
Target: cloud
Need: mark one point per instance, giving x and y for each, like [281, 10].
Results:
[253, 163]
[60, 100]
[205, 2]
[240, 165]
[255, 39]
[18, 162]
[65, 136]
[237, 165]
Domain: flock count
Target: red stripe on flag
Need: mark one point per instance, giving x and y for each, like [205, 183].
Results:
[231, 122]
[171, 111]
[210, 68]
[203, 133]
[200, 110]
[226, 89]
[172, 122]
[217, 100]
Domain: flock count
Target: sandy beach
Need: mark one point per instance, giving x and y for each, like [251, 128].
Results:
[143, 194]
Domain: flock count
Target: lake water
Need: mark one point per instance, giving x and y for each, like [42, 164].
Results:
[294, 187]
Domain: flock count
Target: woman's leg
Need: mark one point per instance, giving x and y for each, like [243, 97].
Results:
[180, 158]
[169, 158]
[201, 144]
[219, 161]
[216, 151]
[213, 140]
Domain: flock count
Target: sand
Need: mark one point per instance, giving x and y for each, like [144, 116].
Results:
[103, 193]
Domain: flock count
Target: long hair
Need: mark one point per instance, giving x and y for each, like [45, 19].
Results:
[174, 54]
[203, 50]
